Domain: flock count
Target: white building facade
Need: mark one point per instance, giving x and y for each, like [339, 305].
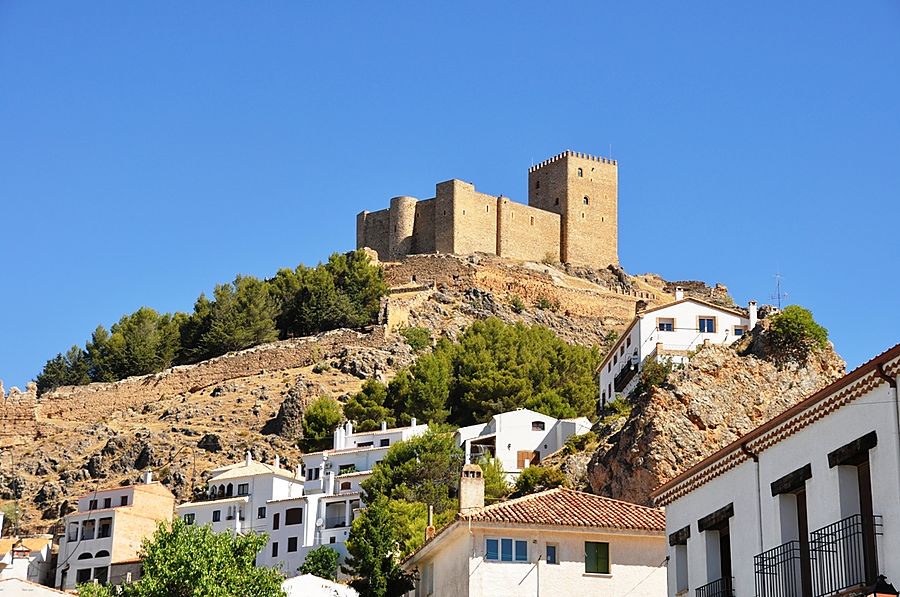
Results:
[518, 438]
[102, 539]
[556, 542]
[26, 558]
[299, 510]
[806, 504]
[671, 332]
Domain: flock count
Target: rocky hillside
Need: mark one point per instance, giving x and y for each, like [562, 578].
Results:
[723, 393]
[185, 420]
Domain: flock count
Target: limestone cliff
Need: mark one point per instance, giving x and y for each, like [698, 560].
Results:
[718, 397]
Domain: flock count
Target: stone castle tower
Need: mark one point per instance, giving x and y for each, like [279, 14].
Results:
[571, 217]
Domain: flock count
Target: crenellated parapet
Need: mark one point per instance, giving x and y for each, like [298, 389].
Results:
[573, 154]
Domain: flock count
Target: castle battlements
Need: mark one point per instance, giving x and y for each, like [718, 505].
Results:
[571, 216]
[576, 154]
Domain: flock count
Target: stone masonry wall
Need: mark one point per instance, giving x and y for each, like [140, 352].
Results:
[17, 415]
[525, 232]
[94, 401]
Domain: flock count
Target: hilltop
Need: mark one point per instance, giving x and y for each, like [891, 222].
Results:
[187, 419]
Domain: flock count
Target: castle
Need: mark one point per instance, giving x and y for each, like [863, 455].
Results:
[571, 217]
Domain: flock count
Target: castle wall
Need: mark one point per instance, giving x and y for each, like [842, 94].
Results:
[423, 230]
[375, 226]
[526, 232]
[402, 220]
[443, 216]
[474, 220]
[17, 415]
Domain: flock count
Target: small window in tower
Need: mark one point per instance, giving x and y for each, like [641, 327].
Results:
[464, 212]
[580, 173]
[556, 202]
[586, 200]
[582, 215]
[487, 208]
[537, 184]
[532, 220]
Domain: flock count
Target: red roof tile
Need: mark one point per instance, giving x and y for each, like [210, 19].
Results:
[567, 507]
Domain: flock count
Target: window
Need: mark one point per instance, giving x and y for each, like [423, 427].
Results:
[384, 442]
[556, 201]
[312, 474]
[596, 557]
[621, 351]
[537, 426]
[189, 518]
[101, 575]
[345, 486]
[292, 544]
[87, 530]
[586, 200]
[332, 539]
[615, 359]
[275, 549]
[678, 540]
[609, 368]
[665, 324]
[73, 532]
[293, 516]
[580, 173]
[628, 341]
[552, 558]
[276, 521]
[537, 184]
[85, 556]
[243, 488]
[261, 512]
[229, 490]
[506, 550]
[105, 529]
[92, 505]
[83, 575]
[107, 502]
[217, 515]
[532, 220]
[123, 501]
[707, 325]
[740, 330]
[365, 444]
[346, 469]
[487, 208]
[428, 578]
[102, 554]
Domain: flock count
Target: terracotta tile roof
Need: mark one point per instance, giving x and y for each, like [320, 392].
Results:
[567, 507]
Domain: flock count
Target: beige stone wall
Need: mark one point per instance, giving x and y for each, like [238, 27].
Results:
[474, 220]
[423, 229]
[443, 216]
[375, 226]
[526, 233]
[129, 530]
[17, 415]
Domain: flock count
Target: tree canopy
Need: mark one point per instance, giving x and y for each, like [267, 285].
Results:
[322, 562]
[343, 292]
[493, 368]
[182, 560]
[374, 550]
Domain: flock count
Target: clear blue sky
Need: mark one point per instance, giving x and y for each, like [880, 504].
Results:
[149, 150]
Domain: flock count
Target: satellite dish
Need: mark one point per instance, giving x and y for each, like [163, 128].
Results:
[320, 523]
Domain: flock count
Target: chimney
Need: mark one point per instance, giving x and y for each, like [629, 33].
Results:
[339, 438]
[348, 431]
[148, 477]
[412, 422]
[277, 461]
[471, 489]
[329, 483]
[753, 316]
[429, 529]
[679, 293]
[639, 306]
[249, 459]
[384, 425]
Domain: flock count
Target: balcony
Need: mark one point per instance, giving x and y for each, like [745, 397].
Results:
[843, 554]
[335, 522]
[779, 571]
[724, 587]
[623, 377]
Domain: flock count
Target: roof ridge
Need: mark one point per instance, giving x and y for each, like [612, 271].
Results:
[512, 501]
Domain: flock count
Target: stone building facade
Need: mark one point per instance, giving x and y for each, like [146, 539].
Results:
[571, 217]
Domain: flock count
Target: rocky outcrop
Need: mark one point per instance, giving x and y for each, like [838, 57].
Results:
[703, 407]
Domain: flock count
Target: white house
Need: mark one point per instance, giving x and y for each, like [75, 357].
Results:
[671, 331]
[298, 510]
[805, 504]
[518, 438]
[26, 558]
[307, 585]
[556, 542]
[101, 540]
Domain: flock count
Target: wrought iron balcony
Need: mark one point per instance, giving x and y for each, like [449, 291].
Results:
[623, 377]
[778, 571]
[843, 554]
[723, 587]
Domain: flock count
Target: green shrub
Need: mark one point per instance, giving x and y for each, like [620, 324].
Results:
[516, 304]
[619, 408]
[321, 367]
[794, 333]
[579, 443]
[538, 478]
[545, 304]
[319, 421]
[496, 487]
[654, 373]
[321, 562]
[418, 338]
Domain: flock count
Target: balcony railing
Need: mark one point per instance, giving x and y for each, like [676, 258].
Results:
[843, 554]
[778, 571]
[623, 377]
[724, 587]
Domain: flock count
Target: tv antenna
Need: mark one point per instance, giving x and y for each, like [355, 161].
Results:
[778, 296]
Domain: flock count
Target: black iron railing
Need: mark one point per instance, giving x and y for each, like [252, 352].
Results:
[724, 587]
[623, 377]
[778, 571]
[843, 554]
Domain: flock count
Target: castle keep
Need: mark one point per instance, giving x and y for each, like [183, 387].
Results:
[571, 217]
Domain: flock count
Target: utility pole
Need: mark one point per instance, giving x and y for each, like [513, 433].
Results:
[778, 296]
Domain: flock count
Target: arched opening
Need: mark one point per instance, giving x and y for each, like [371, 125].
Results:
[586, 200]
[85, 556]
[580, 173]
[345, 486]
[229, 490]
[102, 554]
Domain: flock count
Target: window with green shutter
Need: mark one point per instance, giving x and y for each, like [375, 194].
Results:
[596, 557]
